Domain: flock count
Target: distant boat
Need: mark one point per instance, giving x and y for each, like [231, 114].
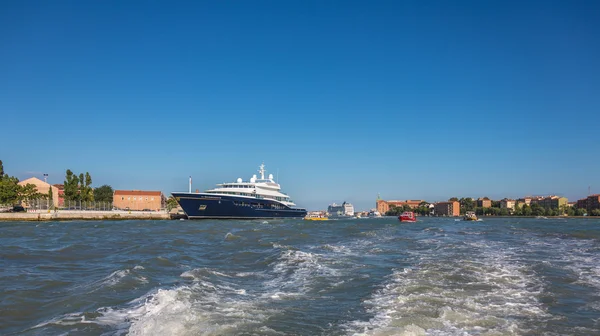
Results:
[374, 214]
[407, 216]
[315, 216]
[470, 216]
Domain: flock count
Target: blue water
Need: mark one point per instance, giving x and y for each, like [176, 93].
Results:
[503, 276]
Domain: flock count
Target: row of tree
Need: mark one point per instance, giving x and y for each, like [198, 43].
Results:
[469, 204]
[423, 209]
[13, 193]
[76, 188]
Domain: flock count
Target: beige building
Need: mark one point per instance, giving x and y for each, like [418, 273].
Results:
[523, 201]
[550, 202]
[139, 200]
[43, 188]
[508, 204]
[447, 209]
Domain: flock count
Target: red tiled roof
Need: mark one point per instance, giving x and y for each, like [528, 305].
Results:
[137, 193]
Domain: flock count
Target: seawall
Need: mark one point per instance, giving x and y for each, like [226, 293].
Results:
[82, 215]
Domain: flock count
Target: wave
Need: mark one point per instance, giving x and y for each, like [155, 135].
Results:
[485, 294]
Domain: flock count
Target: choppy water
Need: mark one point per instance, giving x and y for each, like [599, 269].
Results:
[294, 277]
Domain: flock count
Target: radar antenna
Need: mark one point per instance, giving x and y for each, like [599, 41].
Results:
[262, 171]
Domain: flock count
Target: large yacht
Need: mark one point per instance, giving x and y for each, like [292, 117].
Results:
[257, 198]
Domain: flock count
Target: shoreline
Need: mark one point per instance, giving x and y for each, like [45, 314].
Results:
[114, 215]
[82, 215]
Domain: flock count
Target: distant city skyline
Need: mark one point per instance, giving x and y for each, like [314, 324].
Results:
[360, 203]
[346, 99]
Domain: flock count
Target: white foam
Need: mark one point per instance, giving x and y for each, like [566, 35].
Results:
[297, 272]
[488, 294]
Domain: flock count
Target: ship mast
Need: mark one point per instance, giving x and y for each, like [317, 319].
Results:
[262, 171]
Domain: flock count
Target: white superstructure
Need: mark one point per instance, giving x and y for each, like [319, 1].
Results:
[341, 210]
[255, 188]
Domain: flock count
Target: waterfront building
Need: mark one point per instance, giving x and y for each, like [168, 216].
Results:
[384, 206]
[451, 209]
[484, 203]
[524, 201]
[341, 210]
[550, 202]
[593, 202]
[589, 203]
[508, 204]
[43, 188]
[138, 200]
[581, 204]
[61, 194]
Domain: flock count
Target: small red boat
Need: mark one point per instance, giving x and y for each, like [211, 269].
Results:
[408, 216]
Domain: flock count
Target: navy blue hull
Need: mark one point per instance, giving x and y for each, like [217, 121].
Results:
[197, 206]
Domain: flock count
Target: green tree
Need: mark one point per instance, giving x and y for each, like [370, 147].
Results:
[517, 211]
[494, 211]
[9, 189]
[596, 212]
[172, 203]
[85, 189]
[537, 210]
[1, 169]
[570, 211]
[526, 210]
[71, 186]
[104, 194]
[393, 210]
[453, 199]
[466, 204]
[479, 211]
[28, 193]
[423, 210]
[580, 212]
[81, 188]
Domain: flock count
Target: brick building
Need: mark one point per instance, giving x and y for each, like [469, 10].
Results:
[589, 203]
[61, 194]
[484, 203]
[139, 200]
[451, 209]
[384, 206]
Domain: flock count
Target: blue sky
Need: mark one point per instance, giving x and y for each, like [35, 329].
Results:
[346, 99]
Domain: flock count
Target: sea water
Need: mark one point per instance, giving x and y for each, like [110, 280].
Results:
[372, 276]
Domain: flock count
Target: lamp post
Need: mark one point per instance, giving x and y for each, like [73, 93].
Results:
[45, 181]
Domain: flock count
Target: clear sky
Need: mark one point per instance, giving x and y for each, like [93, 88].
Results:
[346, 99]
